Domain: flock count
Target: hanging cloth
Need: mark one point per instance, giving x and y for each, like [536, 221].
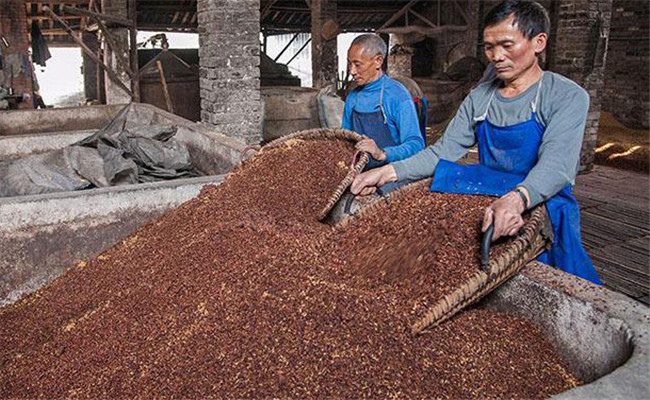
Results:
[40, 51]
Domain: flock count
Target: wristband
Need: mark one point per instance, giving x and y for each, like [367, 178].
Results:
[524, 199]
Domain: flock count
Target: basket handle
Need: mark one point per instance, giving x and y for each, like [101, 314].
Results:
[486, 243]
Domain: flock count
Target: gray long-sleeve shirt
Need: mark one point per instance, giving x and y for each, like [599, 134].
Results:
[562, 108]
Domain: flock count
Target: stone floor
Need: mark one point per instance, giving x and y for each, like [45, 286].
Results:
[616, 227]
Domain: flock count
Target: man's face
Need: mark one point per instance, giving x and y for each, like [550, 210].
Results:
[363, 68]
[509, 49]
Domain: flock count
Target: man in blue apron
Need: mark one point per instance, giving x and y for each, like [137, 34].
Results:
[528, 125]
[379, 108]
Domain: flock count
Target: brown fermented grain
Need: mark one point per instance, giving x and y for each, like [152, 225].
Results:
[240, 293]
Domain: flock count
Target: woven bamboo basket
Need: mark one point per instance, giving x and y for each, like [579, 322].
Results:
[356, 166]
[532, 240]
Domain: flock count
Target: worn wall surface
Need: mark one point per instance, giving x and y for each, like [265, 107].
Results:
[579, 51]
[17, 70]
[627, 85]
[229, 58]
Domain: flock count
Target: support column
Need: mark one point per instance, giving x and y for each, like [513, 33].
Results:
[324, 29]
[115, 94]
[13, 27]
[579, 51]
[229, 60]
[90, 67]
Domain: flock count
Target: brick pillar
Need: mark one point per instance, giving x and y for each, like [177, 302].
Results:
[627, 76]
[399, 61]
[90, 67]
[13, 26]
[229, 58]
[324, 63]
[115, 94]
[579, 51]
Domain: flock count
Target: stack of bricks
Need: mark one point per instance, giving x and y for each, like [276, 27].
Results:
[579, 50]
[17, 69]
[628, 66]
[229, 54]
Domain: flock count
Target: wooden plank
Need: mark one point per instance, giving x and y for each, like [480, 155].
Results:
[586, 202]
[614, 280]
[600, 232]
[639, 278]
[634, 217]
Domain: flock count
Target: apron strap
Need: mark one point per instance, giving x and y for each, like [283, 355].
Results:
[483, 116]
[381, 100]
[533, 105]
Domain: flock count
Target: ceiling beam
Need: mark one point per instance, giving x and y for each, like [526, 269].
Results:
[398, 14]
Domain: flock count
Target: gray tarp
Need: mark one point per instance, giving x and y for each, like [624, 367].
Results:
[123, 152]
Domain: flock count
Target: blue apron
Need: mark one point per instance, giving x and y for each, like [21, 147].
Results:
[506, 155]
[375, 126]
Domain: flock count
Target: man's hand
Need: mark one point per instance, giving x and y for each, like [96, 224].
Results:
[368, 145]
[368, 182]
[506, 215]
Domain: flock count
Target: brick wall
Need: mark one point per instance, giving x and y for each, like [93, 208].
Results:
[229, 58]
[579, 50]
[13, 26]
[627, 88]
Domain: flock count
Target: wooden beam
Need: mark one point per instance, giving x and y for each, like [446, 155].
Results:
[461, 11]
[299, 51]
[120, 54]
[423, 19]
[286, 47]
[48, 18]
[133, 51]
[108, 18]
[163, 82]
[86, 49]
[267, 9]
[398, 14]
[431, 32]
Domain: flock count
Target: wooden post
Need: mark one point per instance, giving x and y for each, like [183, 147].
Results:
[133, 51]
[163, 81]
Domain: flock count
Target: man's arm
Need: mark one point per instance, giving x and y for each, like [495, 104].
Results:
[559, 153]
[408, 127]
[456, 141]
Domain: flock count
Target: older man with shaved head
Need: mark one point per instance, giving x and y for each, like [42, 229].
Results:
[379, 108]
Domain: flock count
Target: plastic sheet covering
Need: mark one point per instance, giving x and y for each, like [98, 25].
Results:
[130, 149]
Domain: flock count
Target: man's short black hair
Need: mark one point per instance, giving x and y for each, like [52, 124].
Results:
[531, 18]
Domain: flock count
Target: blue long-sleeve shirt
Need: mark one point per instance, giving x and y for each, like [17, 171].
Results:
[401, 116]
